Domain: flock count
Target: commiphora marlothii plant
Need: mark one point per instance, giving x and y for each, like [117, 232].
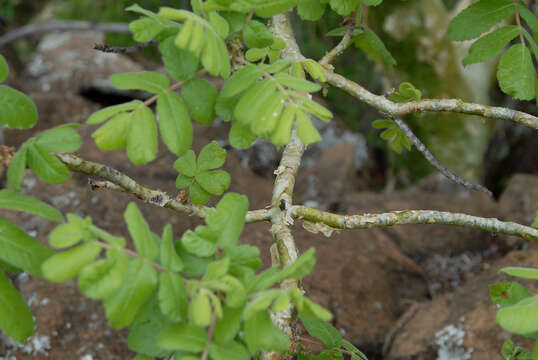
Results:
[202, 296]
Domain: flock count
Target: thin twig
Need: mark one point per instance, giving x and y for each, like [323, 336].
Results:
[34, 29]
[210, 332]
[123, 49]
[434, 162]
[405, 217]
[343, 44]
[118, 181]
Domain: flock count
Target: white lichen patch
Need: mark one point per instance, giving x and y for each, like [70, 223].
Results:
[450, 343]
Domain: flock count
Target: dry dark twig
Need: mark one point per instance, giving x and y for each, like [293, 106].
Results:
[123, 49]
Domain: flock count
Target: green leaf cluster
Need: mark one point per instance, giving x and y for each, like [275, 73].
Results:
[38, 154]
[169, 293]
[393, 134]
[18, 110]
[517, 311]
[313, 10]
[199, 174]
[266, 100]
[515, 72]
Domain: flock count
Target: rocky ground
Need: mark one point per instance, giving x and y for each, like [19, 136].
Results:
[408, 292]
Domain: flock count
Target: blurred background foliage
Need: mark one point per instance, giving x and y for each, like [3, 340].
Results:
[414, 31]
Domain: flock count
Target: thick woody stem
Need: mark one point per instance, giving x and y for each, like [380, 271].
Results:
[413, 217]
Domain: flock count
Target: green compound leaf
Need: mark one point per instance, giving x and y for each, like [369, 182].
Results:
[522, 272]
[16, 319]
[228, 219]
[508, 293]
[139, 284]
[393, 134]
[169, 259]
[406, 92]
[172, 297]
[174, 123]
[212, 156]
[66, 265]
[257, 35]
[4, 68]
[16, 201]
[45, 165]
[240, 81]
[108, 112]
[183, 337]
[20, 250]
[228, 351]
[63, 138]
[214, 182]
[344, 7]
[516, 73]
[145, 29]
[268, 8]
[16, 169]
[142, 141]
[200, 97]
[144, 80]
[491, 44]
[262, 335]
[371, 44]
[113, 134]
[180, 63]
[479, 18]
[186, 164]
[520, 318]
[140, 232]
[311, 10]
[241, 137]
[101, 279]
[18, 111]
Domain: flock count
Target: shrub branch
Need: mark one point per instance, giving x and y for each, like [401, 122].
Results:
[414, 217]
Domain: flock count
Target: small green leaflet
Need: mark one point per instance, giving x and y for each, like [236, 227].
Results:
[63, 138]
[108, 112]
[479, 18]
[18, 111]
[172, 296]
[311, 10]
[522, 272]
[113, 135]
[520, 318]
[16, 319]
[508, 293]
[240, 81]
[406, 92]
[228, 218]
[261, 334]
[200, 97]
[516, 73]
[344, 7]
[140, 232]
[139, 284]
[491, 44]
[393, 134]
[142, 136]
[257, 35]
[101, 279]
[145, 29]
[145, 80]
[20, 250]
[15, 201]
[301, 267]
[4, 69]
[180, 63]
[183, 337]
[16, 169]
[372, 45]
[169, 259]
[45, 165]
[228, 351]
[321, 330]
[268, 8]
[174, 123]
